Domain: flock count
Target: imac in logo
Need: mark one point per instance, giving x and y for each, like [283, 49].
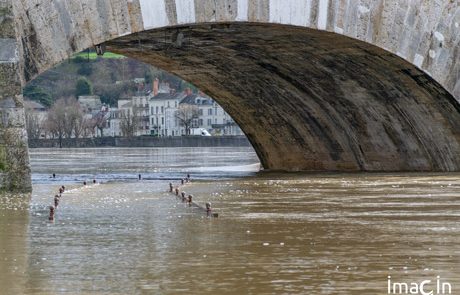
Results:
[425, 287]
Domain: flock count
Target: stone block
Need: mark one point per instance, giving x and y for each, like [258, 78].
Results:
[8, 50]
[12, 117]
[258, 10]
[10, 85]
[7, 29]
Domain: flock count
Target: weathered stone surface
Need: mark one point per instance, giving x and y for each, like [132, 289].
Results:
[14, 157]
[8, 50]
[14, 160]
[307, 106]
[10, 85]
[6, 20]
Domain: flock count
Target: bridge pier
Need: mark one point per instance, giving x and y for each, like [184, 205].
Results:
[14, 157]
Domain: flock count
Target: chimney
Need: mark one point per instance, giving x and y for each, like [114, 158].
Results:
[188, 91]
[156, 84]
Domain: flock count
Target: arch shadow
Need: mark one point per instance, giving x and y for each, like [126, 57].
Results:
[311, 100]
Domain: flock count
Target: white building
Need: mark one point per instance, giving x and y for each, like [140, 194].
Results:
[212, 116]
[156, 112]
[124, 107]
[90, 103]
[113, 126]
[36, 108]
[140, 110]
[136, 108]
[163, 108]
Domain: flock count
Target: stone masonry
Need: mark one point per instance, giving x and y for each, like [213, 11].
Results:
[14, 159]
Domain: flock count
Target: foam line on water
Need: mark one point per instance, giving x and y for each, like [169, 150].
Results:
[239, 168]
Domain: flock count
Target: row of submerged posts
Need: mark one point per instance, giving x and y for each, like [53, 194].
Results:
[57, 199]
[188, 199]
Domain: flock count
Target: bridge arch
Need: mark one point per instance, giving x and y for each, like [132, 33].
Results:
[307, 105]
[315, 84]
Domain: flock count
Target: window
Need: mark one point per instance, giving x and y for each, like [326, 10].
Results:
[200, 112]
[215, 111]
[168, 104]
[151, 110]
[162, 110]
[175, 104]
[209, 112]
[209, 122]
[162, 120]
[200, 122]
[157, 110]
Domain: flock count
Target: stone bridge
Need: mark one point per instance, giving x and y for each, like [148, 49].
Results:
[318, 85]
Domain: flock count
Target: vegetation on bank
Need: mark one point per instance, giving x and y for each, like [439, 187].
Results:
[92, 55]
[110, 77]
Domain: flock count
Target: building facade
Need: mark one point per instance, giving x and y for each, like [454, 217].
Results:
[155, 110]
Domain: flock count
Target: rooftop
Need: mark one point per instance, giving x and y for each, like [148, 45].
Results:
[30, 104]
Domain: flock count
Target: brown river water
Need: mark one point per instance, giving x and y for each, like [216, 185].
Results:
[275, 234]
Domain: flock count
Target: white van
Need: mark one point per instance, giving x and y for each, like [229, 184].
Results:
[199, 131]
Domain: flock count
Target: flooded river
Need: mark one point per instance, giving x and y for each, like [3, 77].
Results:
[276, 233]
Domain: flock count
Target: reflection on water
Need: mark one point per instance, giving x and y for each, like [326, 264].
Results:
[13, 250]
[276, 233]
[153, 163]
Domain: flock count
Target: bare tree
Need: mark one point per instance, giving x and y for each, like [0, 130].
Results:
[186, 113]
[89, 129]
[84, 127]
[65, 119]
[100, 120]
[56, 120]
[73, 116]
[34, 124]
[129, 122]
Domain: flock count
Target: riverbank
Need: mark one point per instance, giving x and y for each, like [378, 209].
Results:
[143, 141]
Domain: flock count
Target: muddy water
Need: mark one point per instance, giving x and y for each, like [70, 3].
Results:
[276, 233]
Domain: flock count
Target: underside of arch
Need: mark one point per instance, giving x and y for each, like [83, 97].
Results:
[312, 100]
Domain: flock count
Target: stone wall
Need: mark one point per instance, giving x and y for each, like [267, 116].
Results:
[144, 141]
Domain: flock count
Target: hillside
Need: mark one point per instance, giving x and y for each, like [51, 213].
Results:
[110, 76]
